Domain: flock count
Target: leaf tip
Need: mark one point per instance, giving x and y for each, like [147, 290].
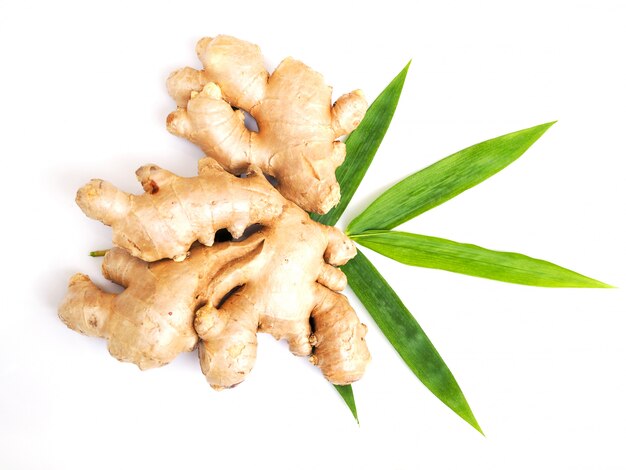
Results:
[590, 283]
[470, 419]
[548, 125]
[400, 78]
[603, 285]
[476, 426]
[542, 128]
[347, 394]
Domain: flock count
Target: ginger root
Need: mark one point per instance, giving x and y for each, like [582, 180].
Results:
[280, 280]
[298, 127]
[151, 321]
[288, 289]
[174, 211]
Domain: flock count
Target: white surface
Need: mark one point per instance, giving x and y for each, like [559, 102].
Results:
[83, 96]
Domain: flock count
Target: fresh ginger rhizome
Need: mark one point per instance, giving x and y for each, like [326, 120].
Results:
[184, 291]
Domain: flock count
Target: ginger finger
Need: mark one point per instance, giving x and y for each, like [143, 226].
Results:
[298, 125]
[174, 211]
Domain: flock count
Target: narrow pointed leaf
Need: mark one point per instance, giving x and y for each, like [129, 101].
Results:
[362, 144]
[444, 179]
[439, 253]
[406, 336]
[345, 391]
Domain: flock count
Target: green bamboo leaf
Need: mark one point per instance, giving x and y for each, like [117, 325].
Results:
[444, 179]
[439, 253]
[362, 144]
[345, 391]
[406, 336]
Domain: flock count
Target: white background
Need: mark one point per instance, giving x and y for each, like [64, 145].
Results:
[82, 95]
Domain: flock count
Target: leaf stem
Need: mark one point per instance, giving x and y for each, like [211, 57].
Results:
[98, 253]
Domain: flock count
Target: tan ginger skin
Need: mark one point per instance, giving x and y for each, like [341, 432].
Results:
[174, 211]
[280, 280]
[298, 126]
[288, 289]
